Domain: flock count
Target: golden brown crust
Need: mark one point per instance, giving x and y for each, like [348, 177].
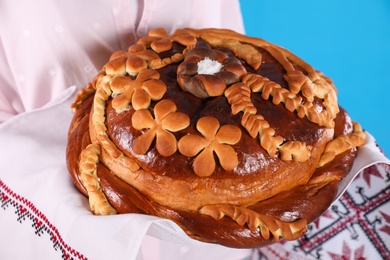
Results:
[211, 127]
[343, 143]
[269, 227]
[98, 203]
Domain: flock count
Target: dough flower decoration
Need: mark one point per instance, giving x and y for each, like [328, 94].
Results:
[145, 54]
[132, 61]
[139, 92]
[159, 41]
[206, 72]
[216, 139]
[166, 120]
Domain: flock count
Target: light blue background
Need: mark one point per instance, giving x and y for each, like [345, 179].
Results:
[349, 41]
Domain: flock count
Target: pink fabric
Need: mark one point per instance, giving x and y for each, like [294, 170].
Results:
[47, 46]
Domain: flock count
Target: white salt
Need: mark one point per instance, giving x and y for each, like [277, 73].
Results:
[207, 66]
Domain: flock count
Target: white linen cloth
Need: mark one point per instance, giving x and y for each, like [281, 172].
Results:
[42, 215]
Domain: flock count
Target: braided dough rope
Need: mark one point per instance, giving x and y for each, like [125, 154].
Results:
[82, 95]
[238, 96]
[98, 203]
[98, 119]
[268, 226]
[292, 102]
[343, 143]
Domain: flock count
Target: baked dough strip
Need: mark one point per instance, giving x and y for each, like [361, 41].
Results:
[98, 202]
[268, 226]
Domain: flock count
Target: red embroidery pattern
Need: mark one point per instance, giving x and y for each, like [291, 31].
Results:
[347, 253]
[26, 211]
[357, 226]
[386, 227]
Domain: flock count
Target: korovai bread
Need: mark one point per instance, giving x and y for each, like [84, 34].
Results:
[237, 140]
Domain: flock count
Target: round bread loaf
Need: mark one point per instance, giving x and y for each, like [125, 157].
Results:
[235, 139]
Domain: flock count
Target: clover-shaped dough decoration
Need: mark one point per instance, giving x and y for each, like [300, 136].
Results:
[132, 61]
[165, 121]
[160, 41]
[157, 39]
[216, 139]
[139, 92]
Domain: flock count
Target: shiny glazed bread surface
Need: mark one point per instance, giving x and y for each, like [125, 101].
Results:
[241, 151]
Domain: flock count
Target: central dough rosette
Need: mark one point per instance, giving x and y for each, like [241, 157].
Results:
[206, 72]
